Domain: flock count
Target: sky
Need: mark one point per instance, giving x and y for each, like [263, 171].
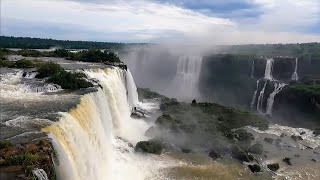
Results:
[163, 21]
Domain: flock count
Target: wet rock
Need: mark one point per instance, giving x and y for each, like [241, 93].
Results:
[256, 149]
[254, 168]
[268, 140]
[138, 113]
[185, 150]
[273, 166]
[282, 135]
[287, 160]
[194, 101]
[151, 146]
[302, 133]
[214, 154]
[240, 155]
[297, 155]
[316, 132]
[313, 160]
[296, 138]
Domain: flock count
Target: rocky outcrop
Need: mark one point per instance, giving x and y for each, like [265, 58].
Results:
[273, 166]
[21, 161]
[298, 103]
[254, 168]
[151, 146]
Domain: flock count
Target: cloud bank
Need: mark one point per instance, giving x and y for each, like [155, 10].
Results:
[163, 21]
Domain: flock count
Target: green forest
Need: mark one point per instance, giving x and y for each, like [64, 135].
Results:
[40, 43]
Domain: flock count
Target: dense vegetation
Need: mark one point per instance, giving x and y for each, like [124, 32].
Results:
[311, 50]
[39, 43]
[57, 75]
[199, 125]
[22, 63]
[21, 159]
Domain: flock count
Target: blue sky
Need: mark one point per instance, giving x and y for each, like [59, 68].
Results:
[163, 21]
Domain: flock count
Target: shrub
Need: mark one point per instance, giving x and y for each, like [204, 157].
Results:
[5, 144]
[68, 80]
[6, 63]
[48, 69]
[24, 159]
[24, 63]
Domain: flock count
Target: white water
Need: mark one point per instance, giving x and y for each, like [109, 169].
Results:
[269, 69]
[295, 76]
[309, 139]
[277, 88]
[40, 174]
[132, 90]
[254, 97]
[261, 97]
[86, 138]
[252, 70]
[185, 84]
[12, 86]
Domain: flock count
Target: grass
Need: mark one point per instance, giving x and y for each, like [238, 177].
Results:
[5, 144]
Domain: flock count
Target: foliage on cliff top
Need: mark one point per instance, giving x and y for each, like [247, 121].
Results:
[57, 75]
[22, 63]
[311, 88]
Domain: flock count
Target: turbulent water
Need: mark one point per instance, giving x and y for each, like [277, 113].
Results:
[295, 76]
[185, 84]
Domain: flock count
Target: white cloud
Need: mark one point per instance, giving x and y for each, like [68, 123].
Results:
[154, 22]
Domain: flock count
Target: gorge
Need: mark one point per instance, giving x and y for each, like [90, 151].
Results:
[114, 130]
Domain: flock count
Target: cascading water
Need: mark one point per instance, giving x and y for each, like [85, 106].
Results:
[252, 70]
[132, 90]
[40, 174]
[261, 97]
[87, 138]
[295, 76]
[269, 69]
[186, 81]
[254, 97]
[277, 88]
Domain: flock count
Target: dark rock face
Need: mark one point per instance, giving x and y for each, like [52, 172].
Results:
[273, 167]
[287, 160]
[299, 101]
[316, 132]
[256, 149]
[240, 154]
[296, 138]
[268, 140]
[214, 154]
[254, 168]
[150, 146]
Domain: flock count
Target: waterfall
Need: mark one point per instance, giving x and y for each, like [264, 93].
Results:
[269, 69]
[132, 90]
[252, 70]
[277, 88]
[40, 174]
[185, 84]
[86, 138]
[254, 97]
[295, 76]
[261, 97]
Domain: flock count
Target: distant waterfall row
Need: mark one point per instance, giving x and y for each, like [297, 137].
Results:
[185, 84]
[260, 100]
[86, 138]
